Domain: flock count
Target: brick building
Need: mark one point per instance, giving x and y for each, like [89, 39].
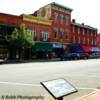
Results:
[52, 31]
[84, 35]
[98, 40]
[61, 25]
[39, 28]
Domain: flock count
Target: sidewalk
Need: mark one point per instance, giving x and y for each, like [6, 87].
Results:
[92, 96]
[28, 61]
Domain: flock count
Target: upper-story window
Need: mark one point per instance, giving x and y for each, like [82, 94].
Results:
[79, 39]
[88, 41]
[67, 20]
[87, 32]
[44, 35]
[83, 31]
[74, 39]
[61, 33]
[55, 16]
[32, 32]
[84, 41]
[79, 31]
[55, 32]
[73, 29]
[67, 33]
[95, 34]
[61, 19]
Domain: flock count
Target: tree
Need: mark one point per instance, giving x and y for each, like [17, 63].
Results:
[21, 38]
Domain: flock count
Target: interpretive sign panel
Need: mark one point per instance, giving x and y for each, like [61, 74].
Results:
[59, 87]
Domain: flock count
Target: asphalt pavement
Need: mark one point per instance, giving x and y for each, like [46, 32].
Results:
[22, 81]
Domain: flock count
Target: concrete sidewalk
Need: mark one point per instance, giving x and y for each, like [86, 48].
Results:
[92, 96]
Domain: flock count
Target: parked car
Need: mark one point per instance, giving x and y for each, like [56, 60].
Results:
[2, 61]
[84, 56]
[69, 56]
[95, 55]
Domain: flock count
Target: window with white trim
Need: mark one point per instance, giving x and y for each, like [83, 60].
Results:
[44, 35]
[33, 32]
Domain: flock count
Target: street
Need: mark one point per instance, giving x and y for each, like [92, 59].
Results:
[24, 79]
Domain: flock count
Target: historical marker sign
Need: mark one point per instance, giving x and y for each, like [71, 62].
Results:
[59, 87]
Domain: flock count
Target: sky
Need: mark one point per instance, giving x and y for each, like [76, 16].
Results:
[84, 11]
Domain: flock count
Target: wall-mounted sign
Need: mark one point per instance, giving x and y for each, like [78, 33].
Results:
[59, 87]
[36, 20]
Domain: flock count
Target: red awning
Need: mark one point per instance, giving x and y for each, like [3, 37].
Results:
[87, 48]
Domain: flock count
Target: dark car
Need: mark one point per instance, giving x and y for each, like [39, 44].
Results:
[95, 55]
[69, 56]
[84, 56]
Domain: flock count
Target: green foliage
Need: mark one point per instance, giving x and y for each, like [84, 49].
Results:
[21, 37]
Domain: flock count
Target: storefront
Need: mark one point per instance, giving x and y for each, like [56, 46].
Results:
[87, 48]
[78, 48]
[59, 48]
[42, 49]
[95, 49]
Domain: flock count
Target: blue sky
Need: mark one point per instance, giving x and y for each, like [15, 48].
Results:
[87, 11]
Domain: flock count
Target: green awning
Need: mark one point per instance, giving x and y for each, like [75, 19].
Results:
[41, 46]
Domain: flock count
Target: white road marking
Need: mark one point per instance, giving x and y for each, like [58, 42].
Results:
[15, 83]
[82, 88]
[38, 85]
[77, 75]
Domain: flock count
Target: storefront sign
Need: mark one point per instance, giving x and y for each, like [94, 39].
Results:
[36, 20]
[59, 87]
[59, 46]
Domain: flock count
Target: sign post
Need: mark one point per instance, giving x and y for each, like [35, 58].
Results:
[59, 88]
[60, 98]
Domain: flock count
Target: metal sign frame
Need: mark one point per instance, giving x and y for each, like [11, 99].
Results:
[75, 90]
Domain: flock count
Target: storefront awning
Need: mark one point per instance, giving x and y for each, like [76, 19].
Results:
[42, 46]
[87, 48]
[95, 49]
[78, 49]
